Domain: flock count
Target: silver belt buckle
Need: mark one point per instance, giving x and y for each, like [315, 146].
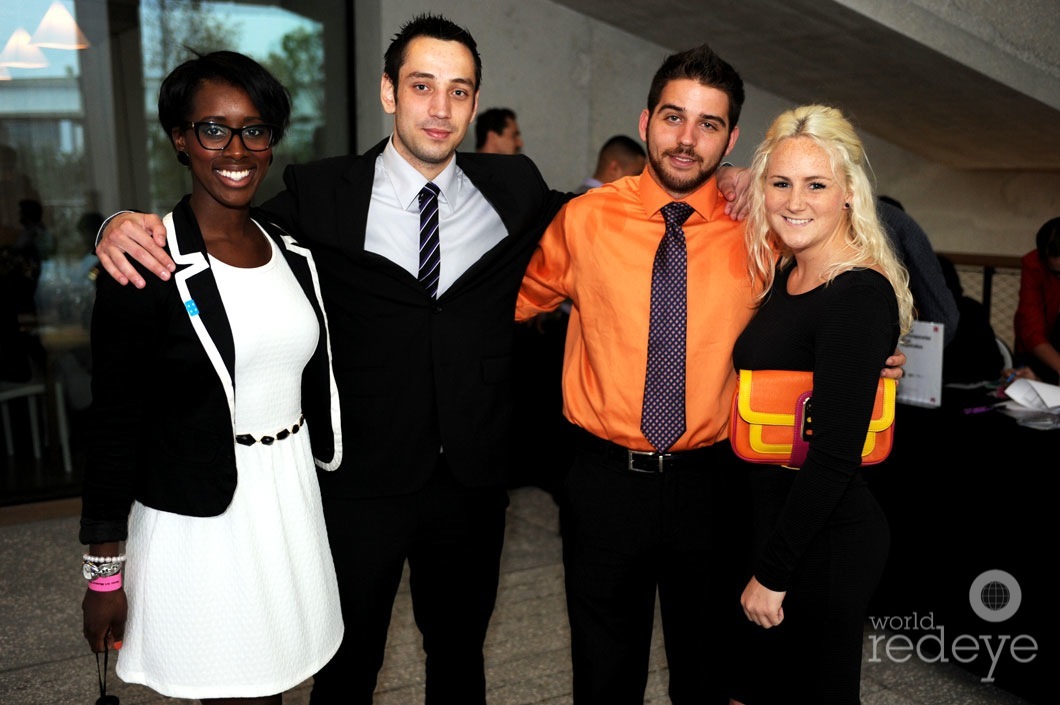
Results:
[661, 457]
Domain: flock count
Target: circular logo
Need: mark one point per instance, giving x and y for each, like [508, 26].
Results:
[995, 596]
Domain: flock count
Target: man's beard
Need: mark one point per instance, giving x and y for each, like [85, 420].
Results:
[683, 184]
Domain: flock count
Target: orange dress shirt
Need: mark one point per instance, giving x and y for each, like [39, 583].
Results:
[598, 252]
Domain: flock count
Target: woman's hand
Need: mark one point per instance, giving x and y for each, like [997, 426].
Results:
[104, 619]
[893, 366]
[762, 605]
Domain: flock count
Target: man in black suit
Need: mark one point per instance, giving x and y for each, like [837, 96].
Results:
[424, 379]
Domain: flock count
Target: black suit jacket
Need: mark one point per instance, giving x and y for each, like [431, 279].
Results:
[167, 440]
[416, 375]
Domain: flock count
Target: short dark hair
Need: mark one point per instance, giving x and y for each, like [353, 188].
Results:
[702, 65]
[1048, 239]
[178, 89]
[492, 120]
[624, 145]
[435, 27]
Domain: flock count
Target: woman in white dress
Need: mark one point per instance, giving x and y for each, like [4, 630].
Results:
[226, 588]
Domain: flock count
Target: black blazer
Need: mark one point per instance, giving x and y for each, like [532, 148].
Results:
[162, 388]
[414, 374]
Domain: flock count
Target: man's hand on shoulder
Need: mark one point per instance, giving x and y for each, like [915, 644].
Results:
[140, 236]
[734, 183]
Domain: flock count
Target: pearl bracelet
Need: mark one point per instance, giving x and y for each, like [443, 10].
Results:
[103, 559]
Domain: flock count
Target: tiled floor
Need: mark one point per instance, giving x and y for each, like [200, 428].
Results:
[44, 660]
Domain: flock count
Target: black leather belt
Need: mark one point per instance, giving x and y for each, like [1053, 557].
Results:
[643, 460]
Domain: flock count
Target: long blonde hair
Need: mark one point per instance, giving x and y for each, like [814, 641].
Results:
[869, 243]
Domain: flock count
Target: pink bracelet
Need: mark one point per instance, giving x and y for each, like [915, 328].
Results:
[107, 584]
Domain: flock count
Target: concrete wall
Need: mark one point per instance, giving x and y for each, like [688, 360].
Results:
[571, 81]
[574, 82]
[1012, 41]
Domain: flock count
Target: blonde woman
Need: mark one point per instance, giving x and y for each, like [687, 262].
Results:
[835, 302]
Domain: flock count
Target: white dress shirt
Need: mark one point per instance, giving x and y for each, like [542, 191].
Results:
[468, 226]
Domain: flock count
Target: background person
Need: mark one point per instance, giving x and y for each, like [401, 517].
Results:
[973, 355]
[497, 132]
[229, 589]
[933, 299]
[1037, 323]
[15, 187]
[21, 354]
[835, 304]
[619, 156]
[20, 351]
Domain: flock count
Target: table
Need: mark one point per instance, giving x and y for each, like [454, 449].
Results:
[966, 494]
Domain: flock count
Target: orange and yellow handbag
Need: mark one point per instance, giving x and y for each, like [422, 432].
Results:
[772, 418]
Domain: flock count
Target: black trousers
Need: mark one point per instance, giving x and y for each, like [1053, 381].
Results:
[451, 537]
[629, 535]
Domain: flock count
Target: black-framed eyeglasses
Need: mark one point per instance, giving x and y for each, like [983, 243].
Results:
[216, 137]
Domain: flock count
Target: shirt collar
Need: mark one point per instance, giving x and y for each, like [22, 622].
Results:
[704, 199]
[408, 182]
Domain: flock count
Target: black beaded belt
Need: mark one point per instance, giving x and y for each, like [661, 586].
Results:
[643, 460]
[248, 440]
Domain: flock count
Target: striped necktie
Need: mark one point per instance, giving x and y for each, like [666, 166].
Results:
[430, 253]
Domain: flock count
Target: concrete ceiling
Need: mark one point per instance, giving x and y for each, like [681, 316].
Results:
[894, 86]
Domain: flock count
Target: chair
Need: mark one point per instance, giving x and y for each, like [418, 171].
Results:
[1006, 353]
[35, 390]
[10, 391]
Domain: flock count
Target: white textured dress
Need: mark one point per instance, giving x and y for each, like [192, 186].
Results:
[244, 604]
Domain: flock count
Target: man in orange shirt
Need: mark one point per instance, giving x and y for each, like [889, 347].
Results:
[642, 518]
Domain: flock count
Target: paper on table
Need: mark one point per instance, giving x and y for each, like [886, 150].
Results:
[1033, 394]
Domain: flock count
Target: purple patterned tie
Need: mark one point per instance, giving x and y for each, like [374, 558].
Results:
[663, 416]
[430, 254]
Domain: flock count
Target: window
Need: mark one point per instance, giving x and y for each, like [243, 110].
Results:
[79, 136]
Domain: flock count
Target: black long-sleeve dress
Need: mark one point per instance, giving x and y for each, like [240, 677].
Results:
[818, 532]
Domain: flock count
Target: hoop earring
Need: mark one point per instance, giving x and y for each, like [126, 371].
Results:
[184, 159]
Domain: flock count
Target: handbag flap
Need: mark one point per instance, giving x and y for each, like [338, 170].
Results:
[770, 411]
[769, 397]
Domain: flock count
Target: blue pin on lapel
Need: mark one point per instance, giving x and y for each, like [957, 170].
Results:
[193, 310]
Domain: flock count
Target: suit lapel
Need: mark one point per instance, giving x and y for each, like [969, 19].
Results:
[201, 297]
[354, 195]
